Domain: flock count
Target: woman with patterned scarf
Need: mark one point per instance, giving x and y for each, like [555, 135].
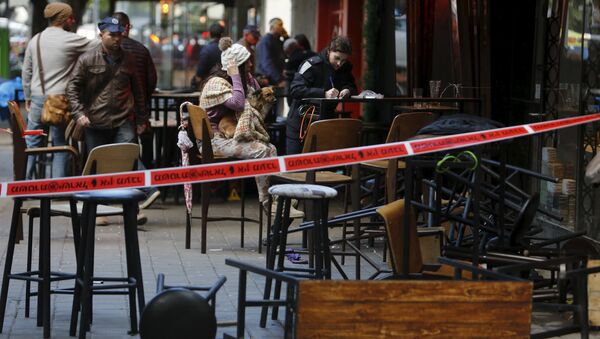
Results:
[225, 92]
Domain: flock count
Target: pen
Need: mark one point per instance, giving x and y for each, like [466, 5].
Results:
[331, 82]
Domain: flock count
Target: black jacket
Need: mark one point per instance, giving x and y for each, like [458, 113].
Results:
[314, 77]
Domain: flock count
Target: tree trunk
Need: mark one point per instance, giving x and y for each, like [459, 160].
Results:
[39, 23]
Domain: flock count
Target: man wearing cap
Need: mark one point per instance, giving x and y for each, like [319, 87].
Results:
[59, 49]
[106, 94]
[249, 40]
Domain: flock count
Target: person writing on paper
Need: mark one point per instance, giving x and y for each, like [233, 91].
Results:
[325, 75]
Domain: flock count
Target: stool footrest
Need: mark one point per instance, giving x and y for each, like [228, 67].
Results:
[35, 276]
[127, 283]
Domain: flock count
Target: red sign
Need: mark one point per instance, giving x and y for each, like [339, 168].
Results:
[76, 184]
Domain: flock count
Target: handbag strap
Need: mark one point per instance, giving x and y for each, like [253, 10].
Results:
[40, 67]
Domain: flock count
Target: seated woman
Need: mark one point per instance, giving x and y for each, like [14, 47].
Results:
[224, 93]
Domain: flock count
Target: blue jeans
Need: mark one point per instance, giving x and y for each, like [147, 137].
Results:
[60, 161]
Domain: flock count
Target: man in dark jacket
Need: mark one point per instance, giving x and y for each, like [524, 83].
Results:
[106, 95]
[270, 55]
[326, 75]
[210, 54]
[146, 72]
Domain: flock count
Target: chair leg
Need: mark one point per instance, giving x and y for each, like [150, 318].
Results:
[86, 289]
[45, 263]
[261, 210]
[29, 258]
[81, 254]
[133, 263]
[188, 229]
[272, 244]
[355, 196]
[205, 198]
[243, 212]
[345, 227]
[10, 249]
[75, 226]
[281, 253]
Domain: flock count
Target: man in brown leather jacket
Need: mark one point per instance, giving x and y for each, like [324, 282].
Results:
[105, 92]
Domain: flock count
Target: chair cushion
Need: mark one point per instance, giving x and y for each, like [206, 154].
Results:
[115, 196]
[303, 191]
[322, 177]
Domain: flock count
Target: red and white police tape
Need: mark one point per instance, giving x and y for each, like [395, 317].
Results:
[290, 163]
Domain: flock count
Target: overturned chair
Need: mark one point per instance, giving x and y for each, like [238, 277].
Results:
[180, 312]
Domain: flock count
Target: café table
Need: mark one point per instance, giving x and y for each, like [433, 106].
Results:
[402, 101]
[165, 102]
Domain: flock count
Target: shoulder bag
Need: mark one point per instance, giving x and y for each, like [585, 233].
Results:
[56, 110]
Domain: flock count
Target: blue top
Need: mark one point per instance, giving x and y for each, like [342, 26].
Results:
[270, 58]
[210, 55]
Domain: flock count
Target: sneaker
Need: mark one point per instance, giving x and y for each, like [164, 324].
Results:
[141, 219]
[102, 221]
[150, 200]
[294, 213]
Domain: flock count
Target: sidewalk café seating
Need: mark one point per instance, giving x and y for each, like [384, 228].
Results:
[327, 135]
[202, 132]
[180, 312]
[104, 159]
[367, 309]
[43, 276]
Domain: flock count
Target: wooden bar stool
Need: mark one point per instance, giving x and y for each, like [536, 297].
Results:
[133, 283]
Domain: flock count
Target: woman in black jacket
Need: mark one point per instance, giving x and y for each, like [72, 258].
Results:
[326, 75]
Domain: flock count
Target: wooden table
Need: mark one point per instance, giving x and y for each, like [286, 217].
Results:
[427, 107]
[402, 101]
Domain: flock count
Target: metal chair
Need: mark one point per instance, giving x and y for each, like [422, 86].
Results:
[180, 312]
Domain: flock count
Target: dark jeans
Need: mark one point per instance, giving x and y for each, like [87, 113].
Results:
[293, 146]
[123, 133]
[98, 137]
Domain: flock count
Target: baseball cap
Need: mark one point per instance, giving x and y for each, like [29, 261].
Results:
[111, 24]
[252, 29]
